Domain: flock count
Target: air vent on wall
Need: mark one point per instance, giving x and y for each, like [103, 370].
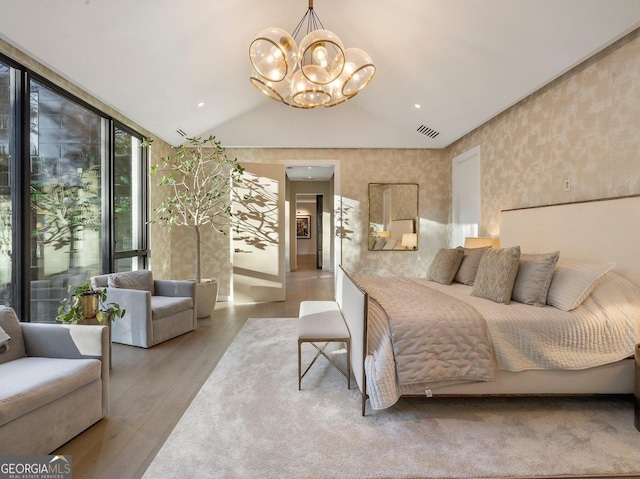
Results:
[428, 131]
[180, 132]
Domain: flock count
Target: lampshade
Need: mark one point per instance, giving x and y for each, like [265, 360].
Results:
[320, 72]
[410, 240]
[477, 242]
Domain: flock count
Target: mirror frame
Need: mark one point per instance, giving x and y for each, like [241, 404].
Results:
[374, 232]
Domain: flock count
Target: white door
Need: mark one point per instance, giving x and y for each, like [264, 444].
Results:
[259, 248]
[465, 192]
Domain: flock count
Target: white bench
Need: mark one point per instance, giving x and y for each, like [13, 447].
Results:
[322, 322]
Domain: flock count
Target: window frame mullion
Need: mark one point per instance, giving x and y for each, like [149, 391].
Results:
[20, 192]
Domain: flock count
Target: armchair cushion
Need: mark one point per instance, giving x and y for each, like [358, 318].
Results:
[10, 324]
[141, 280]
[29, 383]
[171, 287]
[163, 306]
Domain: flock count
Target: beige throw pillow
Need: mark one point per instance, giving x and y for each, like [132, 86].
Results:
[496, 274]
[468, 269]
[445, 265]
[534, 278]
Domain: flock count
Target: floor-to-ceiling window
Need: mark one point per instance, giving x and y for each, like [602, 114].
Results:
[73, 185]
[129, 205]
[66, 148]
[6, 147]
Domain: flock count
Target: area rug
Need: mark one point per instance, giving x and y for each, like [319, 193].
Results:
[250, 421]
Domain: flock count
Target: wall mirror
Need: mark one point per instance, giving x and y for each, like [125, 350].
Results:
[393, 216]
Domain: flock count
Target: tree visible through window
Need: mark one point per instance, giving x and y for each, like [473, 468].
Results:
[66, 145]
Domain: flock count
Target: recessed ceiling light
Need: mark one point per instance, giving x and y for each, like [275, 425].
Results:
[417, 106]
[201, 104]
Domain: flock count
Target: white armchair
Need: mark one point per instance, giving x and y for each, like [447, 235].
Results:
[156, 310]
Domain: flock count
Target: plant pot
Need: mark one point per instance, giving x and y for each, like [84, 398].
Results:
[207, 295]
[89, 305]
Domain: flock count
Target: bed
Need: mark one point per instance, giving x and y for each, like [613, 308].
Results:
[583, 344]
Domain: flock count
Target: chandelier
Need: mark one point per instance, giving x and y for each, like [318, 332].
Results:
[318, 72]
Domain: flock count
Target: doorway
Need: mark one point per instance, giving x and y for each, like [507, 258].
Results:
[309, 231]
[312, 214]
[465, 193]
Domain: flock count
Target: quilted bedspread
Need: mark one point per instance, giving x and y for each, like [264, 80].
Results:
[435, 337]
[604, 329]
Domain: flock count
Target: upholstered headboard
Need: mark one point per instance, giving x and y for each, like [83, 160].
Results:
[602, 230]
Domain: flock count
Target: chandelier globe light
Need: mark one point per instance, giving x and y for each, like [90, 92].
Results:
[273, 54]
[307, 94]
[321, 56]
[318, 72]
[357, 72]
[274, 90]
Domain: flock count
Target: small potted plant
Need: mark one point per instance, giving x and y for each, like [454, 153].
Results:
[80, 305]
[87, 303]
[107, 311]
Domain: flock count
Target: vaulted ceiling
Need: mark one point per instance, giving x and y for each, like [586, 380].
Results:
[462, 61]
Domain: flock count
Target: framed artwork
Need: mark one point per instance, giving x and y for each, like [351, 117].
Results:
[303, 226]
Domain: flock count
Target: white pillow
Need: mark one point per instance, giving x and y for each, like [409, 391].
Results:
[141, 279]
[573, 280]
[4, 341]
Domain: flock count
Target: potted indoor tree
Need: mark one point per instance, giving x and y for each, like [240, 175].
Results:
[201, 178]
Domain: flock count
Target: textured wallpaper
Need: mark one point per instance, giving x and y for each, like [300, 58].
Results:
[584, 127]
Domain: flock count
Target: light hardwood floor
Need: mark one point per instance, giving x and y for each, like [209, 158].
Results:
[151, 388]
